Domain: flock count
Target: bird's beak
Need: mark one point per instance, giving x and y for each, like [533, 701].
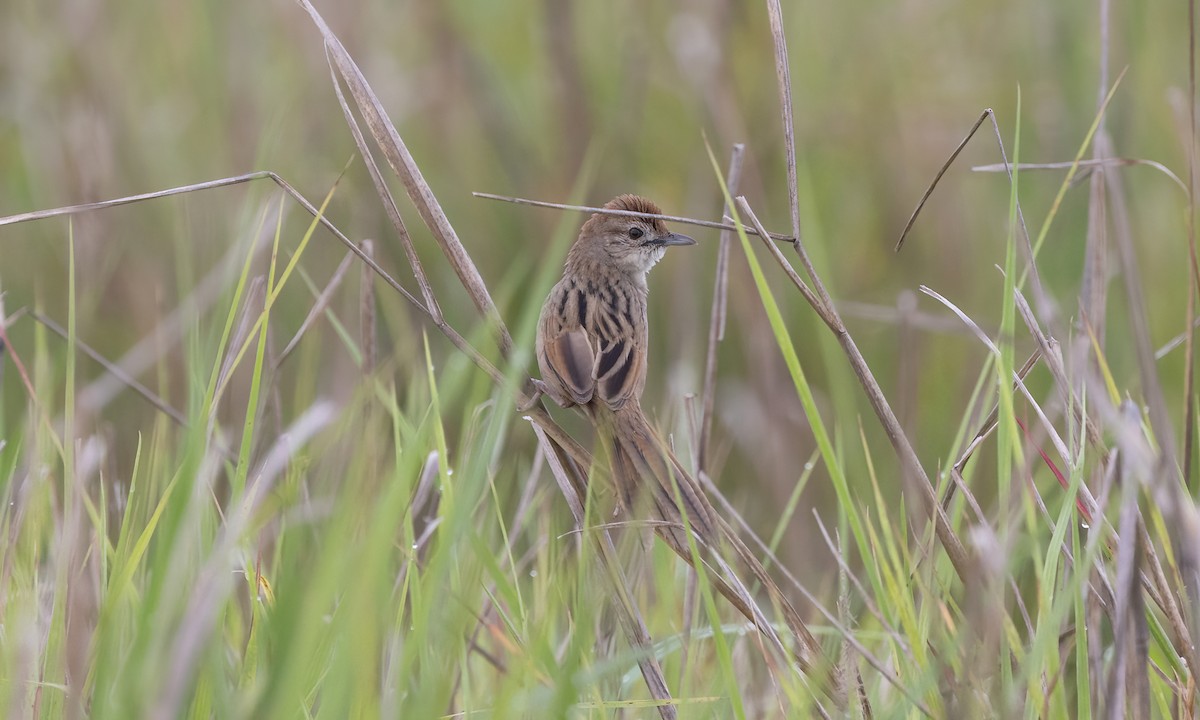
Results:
[676, 239]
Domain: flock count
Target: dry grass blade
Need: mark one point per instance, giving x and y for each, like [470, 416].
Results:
[318, 307]
[129, 199]
[1052, 352]
[691, 597]
[405, 167]
[1175, 342]
[1093, 295]
[6, 347]
[1194, 276]
[840, 558]
[628, 615]
[809, 654]
[810, 296]
[716, 322]
[894, 315]
[801, 630]
[1047, 308]
[986, 428]
[989, 424]
[385, 197]
[1125, 422]
[1128, 596]
[1177, 507]
[628, 213]
[167, 333]
[1137, 679]
[223, 182]
[1045, 304]
[716, 333]
[427, 485]
[783, 74]
[215, 580]
[937, 178]
[421, 508]
[823, 305]
[1105, 12]
[4, 323]
[150, 396]
[1177, 510]
[255, 297]
[366, 312]
[1187, 525]
[1093, 164]
[83, 595]
[1095, 651]
[1051, 431]
[1122, 229]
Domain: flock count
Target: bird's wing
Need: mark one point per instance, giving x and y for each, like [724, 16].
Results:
[571, 358]
[589, 335]
[619, 371]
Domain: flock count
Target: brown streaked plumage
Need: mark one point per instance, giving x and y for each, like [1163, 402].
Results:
[592, 346]
[595, 317]
[592, 342]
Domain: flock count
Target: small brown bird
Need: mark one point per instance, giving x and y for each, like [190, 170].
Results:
[592, 343]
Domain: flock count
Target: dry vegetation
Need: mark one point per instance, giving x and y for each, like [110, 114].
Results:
[254, 464]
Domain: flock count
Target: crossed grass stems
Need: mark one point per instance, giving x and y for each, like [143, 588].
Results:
[1079, 372]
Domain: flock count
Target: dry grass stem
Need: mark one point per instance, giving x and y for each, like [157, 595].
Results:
[630, 617]
[937, 178]
[986, 428]
[167, 333]
[716, 321]
[1090, 165]
[1189, 380]
[868, 601]
[783, 75]
[832, 619]
[131, 382]
[386, 199]
[823, 305]
[1051, 431]
[252, 304]
[402, 163]
[311, 209]
[319, 307]
[1046, 306]
[907, 317]
[629, 213]
[366, 312]
[809, 296]
[1176, 341]
[1051, 351]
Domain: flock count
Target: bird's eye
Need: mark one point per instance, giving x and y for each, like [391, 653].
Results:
[635, 232]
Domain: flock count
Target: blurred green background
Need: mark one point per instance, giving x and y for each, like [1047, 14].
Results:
[104, 99]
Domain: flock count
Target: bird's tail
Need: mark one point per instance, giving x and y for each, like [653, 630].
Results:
[647, 474]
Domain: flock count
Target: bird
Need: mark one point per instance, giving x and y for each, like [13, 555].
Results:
[593, 353]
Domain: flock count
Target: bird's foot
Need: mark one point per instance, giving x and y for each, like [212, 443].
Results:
[539, 389]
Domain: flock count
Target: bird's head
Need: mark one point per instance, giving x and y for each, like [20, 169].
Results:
[629, 243]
